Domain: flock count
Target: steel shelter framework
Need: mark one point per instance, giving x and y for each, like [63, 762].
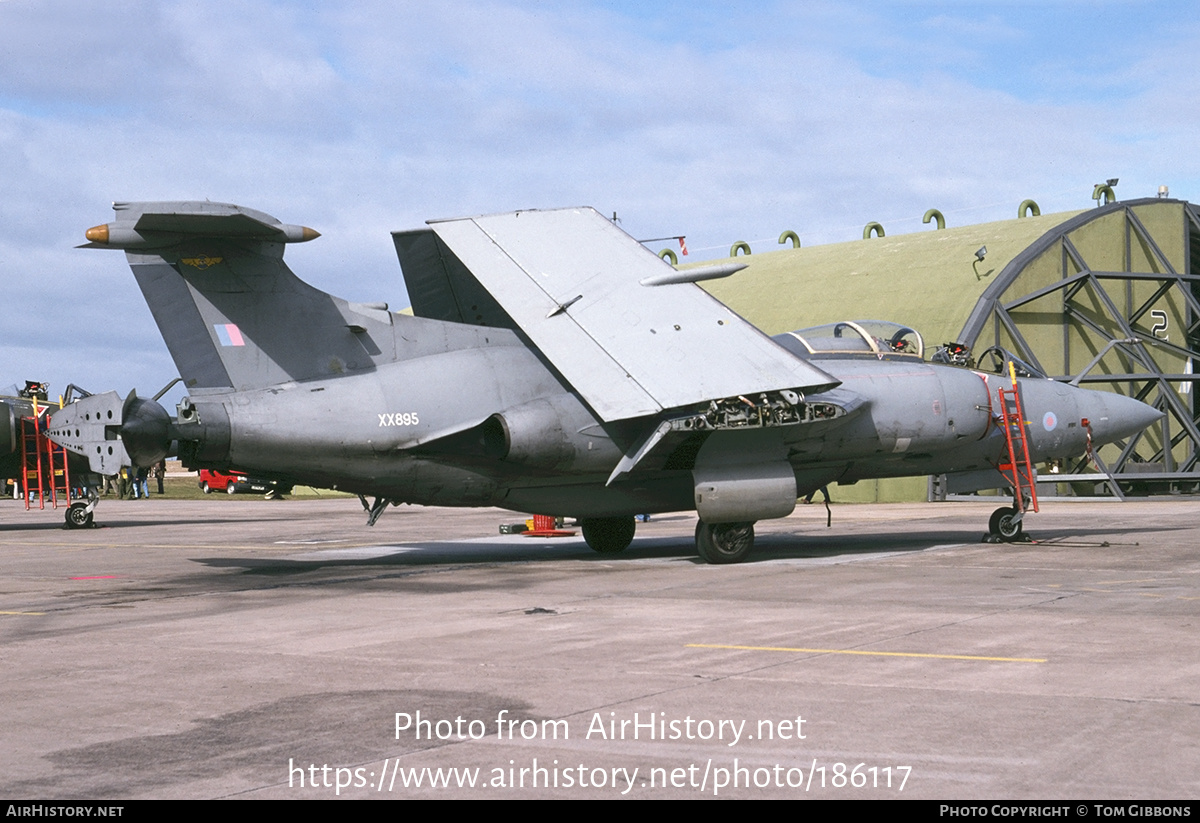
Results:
[1111, 297]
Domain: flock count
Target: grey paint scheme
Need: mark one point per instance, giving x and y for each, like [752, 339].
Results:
[571, 280]
[12, 409]
[541, 365]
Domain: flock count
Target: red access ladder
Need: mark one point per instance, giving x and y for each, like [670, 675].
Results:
[43, 464]
[1018, 470]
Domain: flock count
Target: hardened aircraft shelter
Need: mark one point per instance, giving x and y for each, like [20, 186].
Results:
[1108, 297]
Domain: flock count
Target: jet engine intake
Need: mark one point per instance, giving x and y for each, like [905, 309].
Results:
[532, 434]
[555, 432]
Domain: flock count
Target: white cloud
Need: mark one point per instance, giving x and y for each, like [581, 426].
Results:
[361, 118]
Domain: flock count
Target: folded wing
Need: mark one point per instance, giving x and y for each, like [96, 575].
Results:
[572, 281]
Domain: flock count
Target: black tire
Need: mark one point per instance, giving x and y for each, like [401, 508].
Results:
[1001, 524]
[608, 535]
[231, 488]
[721, 543]
[78, 516]
[204, 487]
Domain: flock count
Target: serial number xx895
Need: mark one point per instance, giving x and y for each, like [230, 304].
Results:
[399, 419]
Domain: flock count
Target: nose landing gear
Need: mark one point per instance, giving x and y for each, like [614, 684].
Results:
[1006, 523]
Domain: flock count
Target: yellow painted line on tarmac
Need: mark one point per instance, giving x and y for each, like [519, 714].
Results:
[870, 653]
[28, 614]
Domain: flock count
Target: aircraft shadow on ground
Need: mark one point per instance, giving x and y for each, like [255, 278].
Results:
[768, 547]
[58, 525]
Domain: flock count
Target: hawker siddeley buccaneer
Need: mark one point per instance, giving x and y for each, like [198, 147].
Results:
[39, 474]
[552, 365]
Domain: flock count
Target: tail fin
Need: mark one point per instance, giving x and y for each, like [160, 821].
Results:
[230, 310]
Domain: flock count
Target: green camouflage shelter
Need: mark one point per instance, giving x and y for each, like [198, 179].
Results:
[1108, 297]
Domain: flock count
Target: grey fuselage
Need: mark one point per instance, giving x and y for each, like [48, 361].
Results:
[568, 378]
[417, 431]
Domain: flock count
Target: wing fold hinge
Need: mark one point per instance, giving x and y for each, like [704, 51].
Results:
[763, 411]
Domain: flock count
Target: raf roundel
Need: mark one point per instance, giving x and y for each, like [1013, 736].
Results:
[1049, 421]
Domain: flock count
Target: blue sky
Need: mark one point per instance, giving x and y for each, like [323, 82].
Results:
[721, 121]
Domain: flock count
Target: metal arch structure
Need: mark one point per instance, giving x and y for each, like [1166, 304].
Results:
[1111, 297]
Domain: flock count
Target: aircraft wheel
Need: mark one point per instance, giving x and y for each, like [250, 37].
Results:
[78, 516]
[724, 542]
[207, 489]
[1001, 523]
[608, 535]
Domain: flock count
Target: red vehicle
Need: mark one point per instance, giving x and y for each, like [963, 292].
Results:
[235, 481]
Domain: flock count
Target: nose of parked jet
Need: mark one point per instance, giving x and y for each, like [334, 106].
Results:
[1115, 416]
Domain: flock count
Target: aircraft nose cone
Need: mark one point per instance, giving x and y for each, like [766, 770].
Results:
[1115, 416]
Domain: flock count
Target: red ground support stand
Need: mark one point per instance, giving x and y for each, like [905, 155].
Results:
[544, 526]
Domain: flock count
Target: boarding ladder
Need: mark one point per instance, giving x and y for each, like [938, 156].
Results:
[43, 463]
[1018, 470]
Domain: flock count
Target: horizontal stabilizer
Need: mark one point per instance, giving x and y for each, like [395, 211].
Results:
[571, 280]
[159, 225]
[231, 312]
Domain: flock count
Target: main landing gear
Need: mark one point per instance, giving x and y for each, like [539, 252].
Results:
[608, 535]
[724, 542]
[716, 543]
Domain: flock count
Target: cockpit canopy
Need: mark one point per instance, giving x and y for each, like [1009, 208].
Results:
[878, 338]
[883, 339]
[995, 360]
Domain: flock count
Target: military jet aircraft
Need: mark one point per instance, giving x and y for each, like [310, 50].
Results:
[25, 461]
[15, 406]
[552, 365]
